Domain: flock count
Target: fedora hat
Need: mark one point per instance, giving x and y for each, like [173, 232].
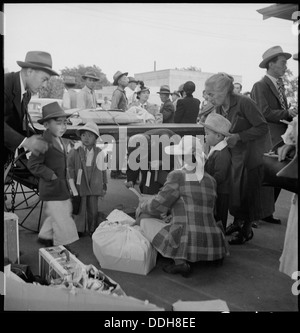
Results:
[142, 90]
[272, 53]
[38, 60]
[52, 110]
[175, 92]
[70, 80]
[217, 123]
[89, 126]
[165, 89]
[180, 88]
[295, 56]
[116, 77]
[90, 75]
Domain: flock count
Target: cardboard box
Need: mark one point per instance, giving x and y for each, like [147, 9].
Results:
[54, 264]
[11, 237]
[22, 296]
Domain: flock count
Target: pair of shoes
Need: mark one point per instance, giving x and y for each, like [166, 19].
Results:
[183, 269]
[232, 228]
[45, 242]
[271, 219]
[240, 238]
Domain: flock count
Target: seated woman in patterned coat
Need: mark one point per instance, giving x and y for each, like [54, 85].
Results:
[179, 220]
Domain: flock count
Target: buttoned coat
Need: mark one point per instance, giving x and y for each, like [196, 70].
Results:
[77, 161]
[265, 94]
[187, 110]
[14, 113]
[192, 234]
[167, 110]
[53, 161]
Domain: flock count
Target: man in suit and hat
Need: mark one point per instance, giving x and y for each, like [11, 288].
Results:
[131, 90]
[70, 95]
[119, 101]
[86, 97]
[269, 95]
[18, 87]
[167, 108]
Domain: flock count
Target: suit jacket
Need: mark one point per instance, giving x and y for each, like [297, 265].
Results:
[13, 114]
[167, 110]
[187, 110]
[265, 94]
[53, 161]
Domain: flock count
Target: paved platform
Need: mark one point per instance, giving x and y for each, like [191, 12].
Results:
[248, 280]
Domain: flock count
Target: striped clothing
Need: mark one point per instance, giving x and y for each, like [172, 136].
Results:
[192, 234]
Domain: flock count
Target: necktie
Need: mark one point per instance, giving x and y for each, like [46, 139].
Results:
[281, 94]
[26, 119]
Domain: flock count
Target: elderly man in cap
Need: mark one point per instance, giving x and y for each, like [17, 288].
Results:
[270, 97]
[18, 87]
[167, 108]
[70, 95]
[187, 109]
[119, 101]
[86, 98]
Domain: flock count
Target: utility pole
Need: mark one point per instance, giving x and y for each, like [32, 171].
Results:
[154, 65]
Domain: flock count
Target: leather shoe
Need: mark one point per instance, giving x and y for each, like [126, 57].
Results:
[240, 238]
[184, 269]
[45, 242]
[232, 228]
[271, 219]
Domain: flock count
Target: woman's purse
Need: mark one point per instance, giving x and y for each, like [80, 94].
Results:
[271, 167]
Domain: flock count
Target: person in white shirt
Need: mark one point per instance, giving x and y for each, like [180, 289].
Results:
[131, 90]
[86, 98]
[70, 95]
[106, 105]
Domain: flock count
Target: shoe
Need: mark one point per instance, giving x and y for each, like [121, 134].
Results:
[232, 228]
[45, 242]
[271, 219]
[118, 175]
[240, 238]
[183, 269]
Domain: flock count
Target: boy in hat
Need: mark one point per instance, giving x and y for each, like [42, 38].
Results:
[69, 100]
[88, 171]
[51, 168]
[167, 107]
[86, 98]
[175, 96]
[131, 90]
[119, 101]
[219, 161]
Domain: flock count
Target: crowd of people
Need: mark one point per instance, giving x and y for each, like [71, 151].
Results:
[185, 218]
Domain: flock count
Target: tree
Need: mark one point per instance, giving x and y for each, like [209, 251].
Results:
[190, 68]
[291, 87]
[55, 87]
[77, 72]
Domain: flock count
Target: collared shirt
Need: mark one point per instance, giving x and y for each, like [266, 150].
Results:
[273, 79]
[86, 99]
[89, 156]
[219, 146]
[23, 91]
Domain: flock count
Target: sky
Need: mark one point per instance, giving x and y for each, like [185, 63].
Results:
[130, 37]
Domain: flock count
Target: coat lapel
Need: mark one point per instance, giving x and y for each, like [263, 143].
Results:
[272, 87]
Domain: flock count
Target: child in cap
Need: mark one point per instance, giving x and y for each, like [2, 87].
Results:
[87, 171]
[51, 168]
[219, 161]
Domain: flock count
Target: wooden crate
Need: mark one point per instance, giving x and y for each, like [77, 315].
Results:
[11, 237]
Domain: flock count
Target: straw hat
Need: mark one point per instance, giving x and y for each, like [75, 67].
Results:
[165, 89]
[89, 126]
[217, 123]
[90, 75]
[116, 77]
[132, 79]
[272, 53]
[175, 92]
[52, 110]
[38, 60]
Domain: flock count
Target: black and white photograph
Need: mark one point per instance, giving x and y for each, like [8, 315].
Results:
[150, 160]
